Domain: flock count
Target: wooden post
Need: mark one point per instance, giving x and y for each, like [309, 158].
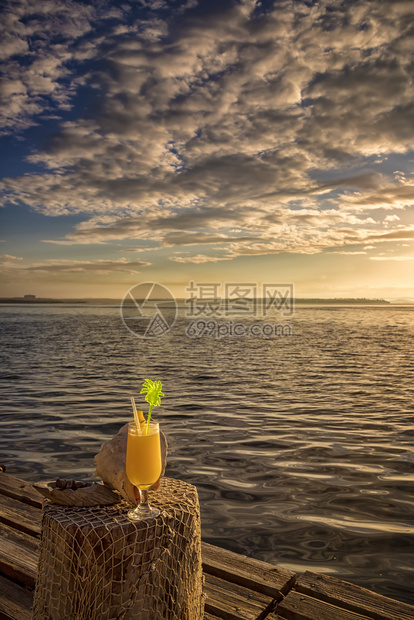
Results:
[95, 564]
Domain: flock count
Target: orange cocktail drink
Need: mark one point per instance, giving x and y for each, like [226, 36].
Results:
[143, 460]
[143, 465]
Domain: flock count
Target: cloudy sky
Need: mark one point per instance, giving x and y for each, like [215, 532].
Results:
[207, 140]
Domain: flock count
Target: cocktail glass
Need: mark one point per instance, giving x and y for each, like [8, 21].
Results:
[143, 466]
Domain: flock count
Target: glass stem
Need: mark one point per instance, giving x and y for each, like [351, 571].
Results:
[143, 501]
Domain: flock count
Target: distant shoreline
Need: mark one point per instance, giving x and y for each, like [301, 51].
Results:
[299, 301]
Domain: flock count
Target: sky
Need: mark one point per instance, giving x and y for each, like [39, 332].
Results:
[207, 141]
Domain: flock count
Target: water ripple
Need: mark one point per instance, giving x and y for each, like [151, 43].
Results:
[301, 448]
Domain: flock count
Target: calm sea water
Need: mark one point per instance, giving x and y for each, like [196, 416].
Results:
[301, 447]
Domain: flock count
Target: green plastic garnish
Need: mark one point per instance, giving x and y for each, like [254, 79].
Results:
[152, 389]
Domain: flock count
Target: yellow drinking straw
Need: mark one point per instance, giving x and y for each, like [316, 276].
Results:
[139, 417]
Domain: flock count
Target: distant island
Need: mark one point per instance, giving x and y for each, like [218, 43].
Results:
[32, 299]
[342, 300]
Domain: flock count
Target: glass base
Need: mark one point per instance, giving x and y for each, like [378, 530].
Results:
[140, 512]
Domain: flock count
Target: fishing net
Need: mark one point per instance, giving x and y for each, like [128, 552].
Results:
[95, 564]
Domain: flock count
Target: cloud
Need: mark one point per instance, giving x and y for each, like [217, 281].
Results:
[35, 51]
[78, 266]
[300, 231]
[199, 258]
[405, 233]
[396, 195]
[396, 258]
[195, 238]
[347, 253]
[5, 258]
[212, 119]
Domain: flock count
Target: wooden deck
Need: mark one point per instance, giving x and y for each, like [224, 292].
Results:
[236, 587]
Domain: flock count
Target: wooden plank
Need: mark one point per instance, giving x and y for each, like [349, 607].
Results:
[233, 602]
[248, 572]
[19, 515]
[19, 556]
[298, 606]
[15, 601]
[21, 538]
[20, 490]
[208, 616]
[226, 572]
[353, 598]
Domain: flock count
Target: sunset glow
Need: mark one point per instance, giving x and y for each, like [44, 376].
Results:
[209, 141]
